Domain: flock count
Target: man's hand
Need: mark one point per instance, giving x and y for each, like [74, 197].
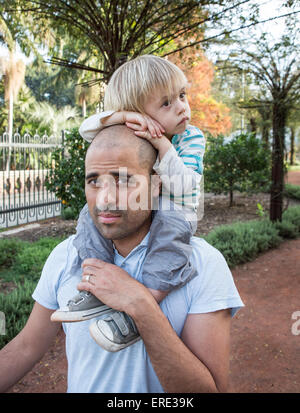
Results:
[113, 286]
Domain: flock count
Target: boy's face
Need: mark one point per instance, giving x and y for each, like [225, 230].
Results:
[173, 113]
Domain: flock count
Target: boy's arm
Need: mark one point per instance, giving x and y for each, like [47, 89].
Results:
[91, 126]
[20, 355]
[180, 167]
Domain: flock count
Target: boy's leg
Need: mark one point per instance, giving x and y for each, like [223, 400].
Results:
[89, 244]
[170, 236]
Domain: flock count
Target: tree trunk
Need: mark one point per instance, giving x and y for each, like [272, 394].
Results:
[84, 108]
[230, 193]
[292, 153]
[276, 199]
[10, 128]
[231, 198]
[253, 125]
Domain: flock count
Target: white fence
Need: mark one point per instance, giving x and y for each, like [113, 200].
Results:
[25, 162]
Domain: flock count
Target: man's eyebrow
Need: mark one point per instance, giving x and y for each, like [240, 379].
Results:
[116, 174]
[91, 175]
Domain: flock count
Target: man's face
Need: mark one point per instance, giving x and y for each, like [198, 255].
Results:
[118, 191]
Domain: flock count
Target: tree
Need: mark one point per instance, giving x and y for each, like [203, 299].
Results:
[53, 119]
[274, 64]
[293, 123]
[238, 165]
[118, 30]
[13, 71]
[210, 115]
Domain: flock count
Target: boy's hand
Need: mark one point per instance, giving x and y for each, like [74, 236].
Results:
[143, 123]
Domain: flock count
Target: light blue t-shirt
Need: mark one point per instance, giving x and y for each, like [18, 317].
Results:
[92, 369]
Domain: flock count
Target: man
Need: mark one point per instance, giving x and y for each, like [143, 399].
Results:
[185, 339]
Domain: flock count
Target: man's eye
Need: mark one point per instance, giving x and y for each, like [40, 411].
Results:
[122, 181]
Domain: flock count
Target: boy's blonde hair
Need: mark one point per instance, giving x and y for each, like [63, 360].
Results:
[133, 82]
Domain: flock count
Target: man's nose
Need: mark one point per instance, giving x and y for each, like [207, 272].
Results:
[106, 196]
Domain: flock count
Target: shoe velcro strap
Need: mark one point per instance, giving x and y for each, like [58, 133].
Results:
[119, 319]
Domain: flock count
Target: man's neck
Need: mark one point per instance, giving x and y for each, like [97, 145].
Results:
[125, 245]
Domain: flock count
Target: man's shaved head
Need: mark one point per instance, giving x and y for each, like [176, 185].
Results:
[119, 183]
[123, 137]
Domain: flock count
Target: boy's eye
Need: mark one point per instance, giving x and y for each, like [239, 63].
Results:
[166, 103]
[182, 95]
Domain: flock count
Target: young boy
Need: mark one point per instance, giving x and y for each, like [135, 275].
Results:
[148, 94]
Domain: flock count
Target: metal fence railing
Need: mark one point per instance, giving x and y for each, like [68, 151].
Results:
[24, 164]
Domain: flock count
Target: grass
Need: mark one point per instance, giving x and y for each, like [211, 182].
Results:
[21, 262]
[294, 168]
[292, 191]
[243, 241]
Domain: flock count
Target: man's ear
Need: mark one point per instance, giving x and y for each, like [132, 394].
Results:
[155, 185]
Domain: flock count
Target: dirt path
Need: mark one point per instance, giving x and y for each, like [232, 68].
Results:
[293, 177]
[265, 355]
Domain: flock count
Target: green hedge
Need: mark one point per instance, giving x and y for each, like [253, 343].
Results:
[243, 241]
[292, 191]
[23, 265]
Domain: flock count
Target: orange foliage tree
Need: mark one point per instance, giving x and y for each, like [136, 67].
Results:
[208, 114]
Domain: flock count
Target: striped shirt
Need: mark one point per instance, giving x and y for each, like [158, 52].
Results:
[181, 168]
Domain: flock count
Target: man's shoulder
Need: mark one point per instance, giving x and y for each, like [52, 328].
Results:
[60, 255]
[204, 249]
[208, 260]
[64, 245]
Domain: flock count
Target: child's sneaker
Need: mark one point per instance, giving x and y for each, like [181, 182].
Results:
[81, 307]
[115, 331]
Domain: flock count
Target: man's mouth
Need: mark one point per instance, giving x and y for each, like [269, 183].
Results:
[108, 218]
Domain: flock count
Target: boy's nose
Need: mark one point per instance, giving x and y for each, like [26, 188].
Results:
[181, 107]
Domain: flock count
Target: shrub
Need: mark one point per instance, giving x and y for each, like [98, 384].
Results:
[9, 249]
[243, 241]
[292, 191]
[242, 164]
[31, 259]
[290, 225]
[67, 179]
[292, 215]
[17, 307]
[24, 268]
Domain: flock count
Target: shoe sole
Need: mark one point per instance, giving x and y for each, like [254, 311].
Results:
[105, 343]
[74, 316]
